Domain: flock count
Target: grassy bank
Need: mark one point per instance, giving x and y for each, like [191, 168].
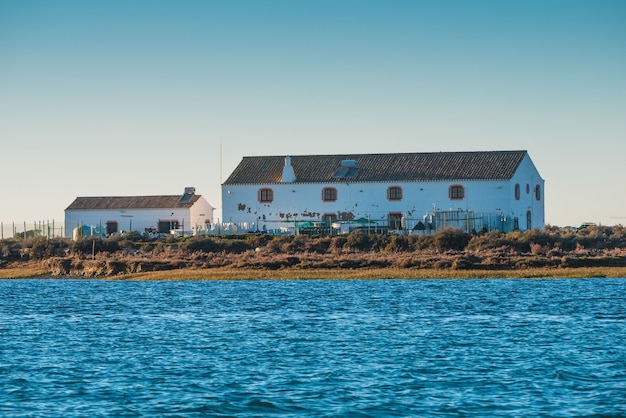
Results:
[554, 252]
[334, 274]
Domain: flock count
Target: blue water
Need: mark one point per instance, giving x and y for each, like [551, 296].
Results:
[86, 348]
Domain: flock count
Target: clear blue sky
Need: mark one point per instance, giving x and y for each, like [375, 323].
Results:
[102, 98]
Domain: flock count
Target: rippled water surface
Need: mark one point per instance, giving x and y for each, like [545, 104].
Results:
[313, 348]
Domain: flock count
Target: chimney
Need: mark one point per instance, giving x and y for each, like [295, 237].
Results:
[288, 175]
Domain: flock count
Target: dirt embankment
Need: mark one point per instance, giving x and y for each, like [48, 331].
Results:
[455, 263]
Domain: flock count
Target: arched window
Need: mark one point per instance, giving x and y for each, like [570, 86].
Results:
[529, 220]
[538, 192]
[329, 194]
[266, 195]
[456, 192]
[517, 192]
[527, 188]
[394, 193]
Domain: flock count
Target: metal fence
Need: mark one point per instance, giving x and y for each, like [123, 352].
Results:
[466, 221]
[22, 230]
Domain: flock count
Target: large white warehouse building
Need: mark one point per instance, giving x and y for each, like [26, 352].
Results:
[417, 192]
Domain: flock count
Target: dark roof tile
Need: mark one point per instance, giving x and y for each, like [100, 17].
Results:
[130, 202]
[483, 165]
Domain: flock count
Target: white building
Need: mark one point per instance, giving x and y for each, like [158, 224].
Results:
[418, 192]
[102, 216]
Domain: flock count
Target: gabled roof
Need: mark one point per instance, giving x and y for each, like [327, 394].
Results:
[131, 202]
[430, 166]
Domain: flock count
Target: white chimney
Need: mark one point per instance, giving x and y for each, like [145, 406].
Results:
[288, 175]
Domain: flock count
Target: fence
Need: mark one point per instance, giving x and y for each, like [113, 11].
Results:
[22, 230]
[464, 220]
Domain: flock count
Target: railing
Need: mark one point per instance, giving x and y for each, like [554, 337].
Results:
[22, 230]
[464, 220]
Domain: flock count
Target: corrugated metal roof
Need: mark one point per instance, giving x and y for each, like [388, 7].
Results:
[480, 165]
[131, 202]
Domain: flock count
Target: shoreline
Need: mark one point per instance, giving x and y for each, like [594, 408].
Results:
[230, 273]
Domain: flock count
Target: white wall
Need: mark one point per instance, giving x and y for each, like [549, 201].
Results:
[139, 219]
[200, 214]
[304, 201]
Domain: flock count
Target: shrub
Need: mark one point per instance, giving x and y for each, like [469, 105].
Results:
[214, 245]
[205, 245]
[422, 242]
[295, 245]
[338, 243]
[451, 239]
[235, 247]
[358, 240]
[487, 241]
[258, 240]
[319, 245]
[88, 246]
[397, 244]
[42, 247]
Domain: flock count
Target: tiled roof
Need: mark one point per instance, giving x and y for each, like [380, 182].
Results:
[484, 165]
[131, 202]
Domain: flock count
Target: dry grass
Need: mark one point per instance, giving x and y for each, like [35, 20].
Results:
[306, 268]
[384, 273]
[22, 272]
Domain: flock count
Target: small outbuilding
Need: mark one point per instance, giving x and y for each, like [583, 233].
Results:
[188, 213]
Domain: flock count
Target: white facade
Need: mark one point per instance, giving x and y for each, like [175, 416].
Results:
[191, 218]
[490, 204]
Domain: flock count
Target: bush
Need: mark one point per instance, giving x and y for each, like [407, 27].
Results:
[87, 246]
[296, 245]
[358, 240]
[319, 245]
[258, 240]
[214, 245]
[397, 244]
[487, 241]
[422, 242]
[451, 239]
[338, 243]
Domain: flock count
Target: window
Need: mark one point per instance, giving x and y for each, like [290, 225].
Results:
[456, 192]
[394, 193]
[529, 220]
[329, 218]
[538, 192]
[527, 188]
[395, 221]
[329, 194]
[111, 227]
[266, 195]
[517, 192]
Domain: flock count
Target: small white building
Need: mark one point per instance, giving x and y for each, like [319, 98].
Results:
[188, 213]
[416, 192]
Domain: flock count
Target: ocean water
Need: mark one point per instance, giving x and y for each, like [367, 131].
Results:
[362, 348]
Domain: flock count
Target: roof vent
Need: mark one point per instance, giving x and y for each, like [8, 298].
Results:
[347, 170]
[288, 175]
[188, 195]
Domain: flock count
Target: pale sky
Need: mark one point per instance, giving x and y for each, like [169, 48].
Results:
[128, 97]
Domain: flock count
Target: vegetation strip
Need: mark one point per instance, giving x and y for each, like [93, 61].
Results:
[595, 251]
